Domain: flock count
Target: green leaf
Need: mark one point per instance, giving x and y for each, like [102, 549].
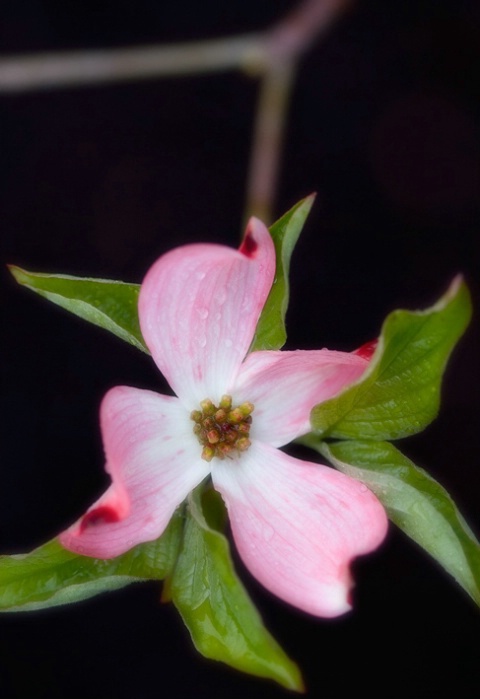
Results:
[415, 502]
[222, 620]
[399, 394]
[271, 333]
[50, 575]
[109, 304]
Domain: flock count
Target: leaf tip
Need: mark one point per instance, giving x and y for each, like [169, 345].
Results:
[457, 289]
[457, 282]
[17, 273]
[308, 201]
[299, 685]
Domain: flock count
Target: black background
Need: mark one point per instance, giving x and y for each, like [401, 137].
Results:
[384, 125]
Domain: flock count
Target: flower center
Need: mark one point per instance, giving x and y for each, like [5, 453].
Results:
[223, 431]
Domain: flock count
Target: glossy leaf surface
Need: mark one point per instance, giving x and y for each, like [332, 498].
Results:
[399, 394]
[222, 620]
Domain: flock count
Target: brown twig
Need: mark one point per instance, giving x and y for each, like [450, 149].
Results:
[272, 55]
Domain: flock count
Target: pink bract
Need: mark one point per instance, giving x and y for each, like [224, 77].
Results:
[297, 525]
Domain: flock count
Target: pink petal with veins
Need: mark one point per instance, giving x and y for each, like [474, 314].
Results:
[297, 526]
[198, 308]
[154, 461]
[285, 386]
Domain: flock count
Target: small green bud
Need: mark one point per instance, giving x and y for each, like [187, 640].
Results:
[221, 416]
[208, 453]
[246, 409]
[235, 416]
[213, 436]
[242, 444]
[207, 407]
[226, 402]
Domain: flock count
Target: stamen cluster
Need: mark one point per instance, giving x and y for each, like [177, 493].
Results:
[223, 431]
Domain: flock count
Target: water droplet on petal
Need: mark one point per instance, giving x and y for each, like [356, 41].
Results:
[202, 340]
[203, 313]
[228, 342]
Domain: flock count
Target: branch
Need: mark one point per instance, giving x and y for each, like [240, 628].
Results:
[284, 45]
[254, 53]
[272, 55]
[56, 70]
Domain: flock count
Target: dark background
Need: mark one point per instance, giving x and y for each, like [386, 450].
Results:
[99, 181]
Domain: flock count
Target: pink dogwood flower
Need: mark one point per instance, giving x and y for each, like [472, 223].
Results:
[297, 525]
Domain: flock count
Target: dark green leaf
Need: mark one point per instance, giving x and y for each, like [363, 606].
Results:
[399, 394]
[415, 502]
[50, 575]
[221, 618]
[109, 304]
[271, 333]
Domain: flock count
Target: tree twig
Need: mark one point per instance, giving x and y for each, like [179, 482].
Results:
[272, 56]
[72, 69]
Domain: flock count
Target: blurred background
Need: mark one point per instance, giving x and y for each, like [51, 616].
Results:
[99, 180]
